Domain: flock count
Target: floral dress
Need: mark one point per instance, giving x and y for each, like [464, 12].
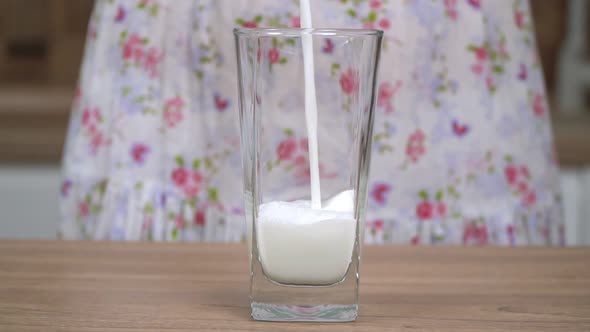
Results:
[463, 150]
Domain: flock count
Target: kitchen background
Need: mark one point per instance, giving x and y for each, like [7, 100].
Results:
[41, 45]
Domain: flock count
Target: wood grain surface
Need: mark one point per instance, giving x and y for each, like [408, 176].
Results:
[91, 286]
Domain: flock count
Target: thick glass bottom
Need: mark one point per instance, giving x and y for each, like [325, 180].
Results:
[293, 313]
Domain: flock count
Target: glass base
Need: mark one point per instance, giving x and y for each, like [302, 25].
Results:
[290, 313]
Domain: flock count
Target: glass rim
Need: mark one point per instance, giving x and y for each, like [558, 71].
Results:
[295, 32]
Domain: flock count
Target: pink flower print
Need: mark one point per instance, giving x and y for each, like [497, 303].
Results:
[193, 184]
[151, 62]
[132, 49]
[273, 55]
[179, 220]
[96, 115]
[379, 192]
[250, 24]
[477, 68]
[502, 49]
[475, 3]
[522, 187]
[459, 129]
[473, 234]
[349, 81]
[378, 224]
[92, 129]
[200, 217]
[65, 188]
[328, 46]
[197, 177]
[172, 118]
[300, 161]
[296, 22]
[384, 96]
[384, 23]
[415, 147]
[120, 14]
[524, 170]
[522, 74]
[96, 141]
[539, 105]
[424, 210]
[511, 174]
[375, 4]
[415, 240]
[510, 233]
[220, 103]
[286, 149]
[191, 190]
[529, 199]
[368, 25]
[83, 209]
[86, 117]
[304, 144]
[441, 209]
[519, 19]
[180, 176]
[451, 7]
[490, 82]
[481, 54]
[139, 152]
[173, 111]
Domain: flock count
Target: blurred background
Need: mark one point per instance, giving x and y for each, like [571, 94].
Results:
[41, 45]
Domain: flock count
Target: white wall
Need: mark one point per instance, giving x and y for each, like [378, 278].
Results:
[29, 202]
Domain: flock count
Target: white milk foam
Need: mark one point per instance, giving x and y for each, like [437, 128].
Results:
[301, 245]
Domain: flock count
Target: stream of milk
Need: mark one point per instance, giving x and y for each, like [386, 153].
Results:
[307, 242]
[311, 107]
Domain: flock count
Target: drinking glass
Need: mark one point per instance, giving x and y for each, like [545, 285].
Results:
[305, 260]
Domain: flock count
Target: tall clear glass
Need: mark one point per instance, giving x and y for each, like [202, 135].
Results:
[305, 256]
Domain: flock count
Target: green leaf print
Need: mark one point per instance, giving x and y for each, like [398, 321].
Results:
[171, 215]
[148, 209]
[258, 18]
[240, 21]
[471, 48]
[423, 194]
[154, 10]
[439, 195]
[175, 234]
[179, 161]
[288, 132]
[199, 74]
[351, 12]
[196, 164]
[95, 209]
[125, 91]
[498, 69]
[508, 158]
[208, 163]
[213, 194]
[372, 17]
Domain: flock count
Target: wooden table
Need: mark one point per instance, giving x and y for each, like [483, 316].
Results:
[89, 286]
